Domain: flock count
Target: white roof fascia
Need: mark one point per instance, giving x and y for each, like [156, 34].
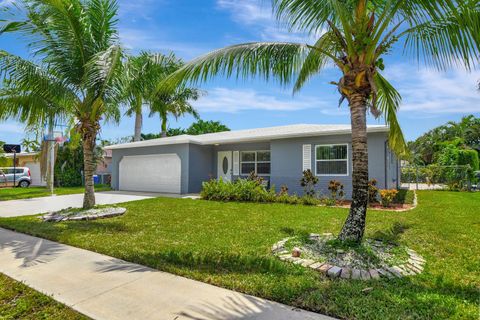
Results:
[236, 136]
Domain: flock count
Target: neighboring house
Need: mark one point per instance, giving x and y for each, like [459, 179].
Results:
[30, 160]
[104, 165]
[279, 154]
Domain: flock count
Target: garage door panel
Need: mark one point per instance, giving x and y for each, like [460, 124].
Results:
[151, 173]
[35, 173]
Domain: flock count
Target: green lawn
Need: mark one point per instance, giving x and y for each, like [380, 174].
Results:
[228, 244]
[35, 192]
[17, 301]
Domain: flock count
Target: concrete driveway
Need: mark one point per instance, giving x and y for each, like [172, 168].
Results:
[25, 207]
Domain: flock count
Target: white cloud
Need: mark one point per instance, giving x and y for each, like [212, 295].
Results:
[430, 92]
[253, 14]
[228, 100]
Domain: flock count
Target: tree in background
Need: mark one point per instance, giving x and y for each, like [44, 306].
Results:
[175, 103]
[142, 73]
[202, 127]
[80, 58]
[464, 135]
[196, 128]
[353, 36]
[4, 161]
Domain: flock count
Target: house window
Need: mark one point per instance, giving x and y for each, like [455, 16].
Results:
[331, 160]
[255, 161]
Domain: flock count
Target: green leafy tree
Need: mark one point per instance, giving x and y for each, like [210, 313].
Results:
[80, 64]
[202, 127]
[4, 161]
[465, 134]
[355, 35]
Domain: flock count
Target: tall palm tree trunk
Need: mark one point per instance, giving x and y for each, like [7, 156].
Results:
[89, 165]
[163, 118]
[354, 226]
[138, 125]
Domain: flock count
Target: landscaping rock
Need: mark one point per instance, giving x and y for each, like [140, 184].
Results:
[385, 273]
[316, 265]
[307, 262]
[78, 215]
[350, 263]
[334, 272]
[365, 275]
[314, 236]
[324, 268]
[374, 274]
[346, 273]
[397, 272]
[356, 274]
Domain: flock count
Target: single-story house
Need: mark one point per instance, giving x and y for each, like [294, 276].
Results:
[180, 164]
[31, 161]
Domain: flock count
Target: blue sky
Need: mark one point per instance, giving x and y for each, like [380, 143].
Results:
[194, 27]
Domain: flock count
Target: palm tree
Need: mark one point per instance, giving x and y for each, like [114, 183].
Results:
[142, 73]
[76, 42]
[355, 36]
[174, 103]
[24, 104]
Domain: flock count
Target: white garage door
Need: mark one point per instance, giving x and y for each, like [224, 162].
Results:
[35, 173]
[151, 173]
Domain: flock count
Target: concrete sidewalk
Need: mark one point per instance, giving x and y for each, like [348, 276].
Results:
[102, 287]
[25, 207]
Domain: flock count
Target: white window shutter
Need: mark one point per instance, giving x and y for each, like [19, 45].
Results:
[307, 157]
[236, 163]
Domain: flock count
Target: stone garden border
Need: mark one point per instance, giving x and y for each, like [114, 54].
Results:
[91, 214]
[413, 266]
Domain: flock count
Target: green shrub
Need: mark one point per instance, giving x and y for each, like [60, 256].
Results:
[404, 196]
[309, 201]
[308, 182]
[336, 190]
[387, 196]
[239, 190]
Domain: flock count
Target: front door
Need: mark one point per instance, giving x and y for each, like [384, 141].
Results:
[224, 165]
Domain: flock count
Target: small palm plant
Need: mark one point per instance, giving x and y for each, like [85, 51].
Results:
[354, 36]
[79, 65]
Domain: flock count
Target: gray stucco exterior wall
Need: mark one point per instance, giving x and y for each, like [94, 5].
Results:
[199, 163]
[200, 167]
[287, 163]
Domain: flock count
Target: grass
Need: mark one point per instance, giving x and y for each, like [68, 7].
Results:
[404, 196]
[35, 192]
[228, 244]
[17, 301]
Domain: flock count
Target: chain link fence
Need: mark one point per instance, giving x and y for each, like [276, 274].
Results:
[435, 177]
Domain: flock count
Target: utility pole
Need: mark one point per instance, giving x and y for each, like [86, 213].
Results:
[50, 156]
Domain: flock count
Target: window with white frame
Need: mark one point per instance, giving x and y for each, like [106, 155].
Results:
[331, 160]
[255, 161]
